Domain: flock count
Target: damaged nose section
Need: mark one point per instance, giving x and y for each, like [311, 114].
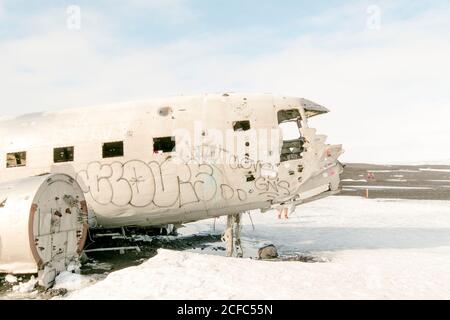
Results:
[317, 169]
[324, 178]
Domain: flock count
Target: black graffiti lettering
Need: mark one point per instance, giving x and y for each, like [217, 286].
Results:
[167, 184]
[117, 182]
[242, 195]
[206, 185]
[226, 191]
[284, 186]
[170, 184]
[140, 179]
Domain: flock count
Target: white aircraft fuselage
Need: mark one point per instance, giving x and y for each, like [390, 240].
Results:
[177, 160]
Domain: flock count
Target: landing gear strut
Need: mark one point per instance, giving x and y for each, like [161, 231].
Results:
[232, 236]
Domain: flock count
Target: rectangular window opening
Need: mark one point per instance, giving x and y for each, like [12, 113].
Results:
[164, 145]
[64, 154]
[241, 125]
[288, 115]
[113, 149]
[16, 159]
[289, 122]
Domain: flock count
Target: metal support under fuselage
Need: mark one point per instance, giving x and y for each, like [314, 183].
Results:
[232, 236]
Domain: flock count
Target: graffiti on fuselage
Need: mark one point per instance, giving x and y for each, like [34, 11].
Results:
[169, 184]
[266, 176]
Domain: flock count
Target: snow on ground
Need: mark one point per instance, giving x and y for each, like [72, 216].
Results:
[435, 170]
[11, 279]
[25, 287]
[390, 171]
[72, 281]
[389, 187]
[375, 249]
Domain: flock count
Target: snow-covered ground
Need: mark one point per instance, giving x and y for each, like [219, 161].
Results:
[370, 249]
[389, 187]
[435, 170]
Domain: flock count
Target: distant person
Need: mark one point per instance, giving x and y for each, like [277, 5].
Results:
[284, 211]
[370, 176]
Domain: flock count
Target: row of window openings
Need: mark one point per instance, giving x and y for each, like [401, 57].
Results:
[109, 150]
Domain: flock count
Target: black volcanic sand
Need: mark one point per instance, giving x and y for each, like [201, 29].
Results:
[397, 181]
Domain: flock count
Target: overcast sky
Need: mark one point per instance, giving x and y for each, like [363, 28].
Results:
[382, 67]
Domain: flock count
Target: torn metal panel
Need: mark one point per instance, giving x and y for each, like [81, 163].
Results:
[313, 109]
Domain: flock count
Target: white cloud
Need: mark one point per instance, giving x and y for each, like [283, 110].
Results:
[387, 89]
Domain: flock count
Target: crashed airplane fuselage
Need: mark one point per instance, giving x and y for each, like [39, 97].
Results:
[177, 160]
